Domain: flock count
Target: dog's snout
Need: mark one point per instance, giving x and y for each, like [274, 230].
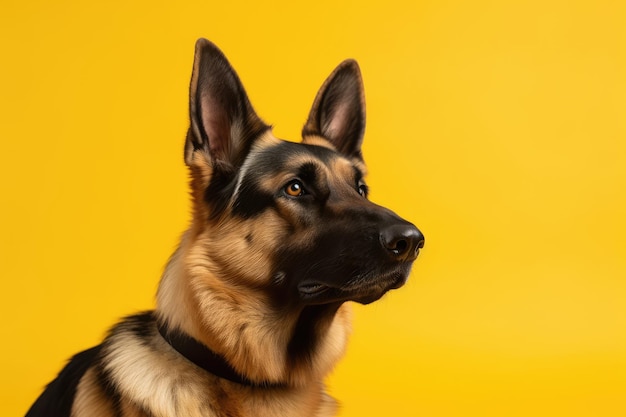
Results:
[402, 241]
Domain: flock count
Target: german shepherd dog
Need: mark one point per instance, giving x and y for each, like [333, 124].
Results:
[251, 311]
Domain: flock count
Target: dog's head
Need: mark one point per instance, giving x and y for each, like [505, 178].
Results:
[291, 220]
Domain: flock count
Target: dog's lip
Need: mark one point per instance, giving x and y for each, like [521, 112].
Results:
[312, 289]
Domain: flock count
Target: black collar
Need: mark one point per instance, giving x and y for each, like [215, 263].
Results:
[206, 359]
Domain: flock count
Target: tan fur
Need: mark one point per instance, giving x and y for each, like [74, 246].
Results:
[320, 141]
[90, 400]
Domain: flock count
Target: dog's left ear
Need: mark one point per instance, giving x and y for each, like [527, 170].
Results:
[223, 122]
[338, 112]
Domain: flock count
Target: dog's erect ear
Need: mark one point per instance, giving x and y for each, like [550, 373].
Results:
[338, 112]
[223, 122]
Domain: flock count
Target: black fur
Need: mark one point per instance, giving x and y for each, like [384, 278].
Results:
[251, 201]
[310, 329]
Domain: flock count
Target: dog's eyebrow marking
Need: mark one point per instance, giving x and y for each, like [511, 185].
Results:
[347, 169]
[318, 141]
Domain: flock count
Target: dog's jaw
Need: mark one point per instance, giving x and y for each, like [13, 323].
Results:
[259, 347]
[363, 289]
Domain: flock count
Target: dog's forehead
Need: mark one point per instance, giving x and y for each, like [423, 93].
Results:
[286, 155]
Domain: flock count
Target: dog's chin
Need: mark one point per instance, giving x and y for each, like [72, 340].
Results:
[362, 291]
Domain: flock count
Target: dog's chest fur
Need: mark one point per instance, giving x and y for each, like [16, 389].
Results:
[137, 364]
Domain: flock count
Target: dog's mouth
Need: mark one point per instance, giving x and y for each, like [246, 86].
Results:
[364, 289]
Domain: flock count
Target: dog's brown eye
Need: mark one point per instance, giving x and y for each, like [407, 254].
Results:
[294, 189]
[362, 190]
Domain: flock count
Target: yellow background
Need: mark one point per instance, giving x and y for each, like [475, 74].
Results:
[498, 127]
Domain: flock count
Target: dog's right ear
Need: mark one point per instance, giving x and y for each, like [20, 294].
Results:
[223, 122]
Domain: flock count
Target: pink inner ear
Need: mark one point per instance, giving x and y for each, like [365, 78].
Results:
[216, 125]
[335, 128]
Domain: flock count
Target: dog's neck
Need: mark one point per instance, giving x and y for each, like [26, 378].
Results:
[204, 358]
[262, 345]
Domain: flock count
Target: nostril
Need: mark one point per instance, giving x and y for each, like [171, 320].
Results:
[400, 247]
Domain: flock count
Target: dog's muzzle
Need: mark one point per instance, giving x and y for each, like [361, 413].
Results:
[361, 267]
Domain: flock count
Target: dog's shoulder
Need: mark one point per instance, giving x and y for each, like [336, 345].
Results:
[57, 398]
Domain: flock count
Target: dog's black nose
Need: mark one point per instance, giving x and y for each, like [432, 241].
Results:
[402, 241]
